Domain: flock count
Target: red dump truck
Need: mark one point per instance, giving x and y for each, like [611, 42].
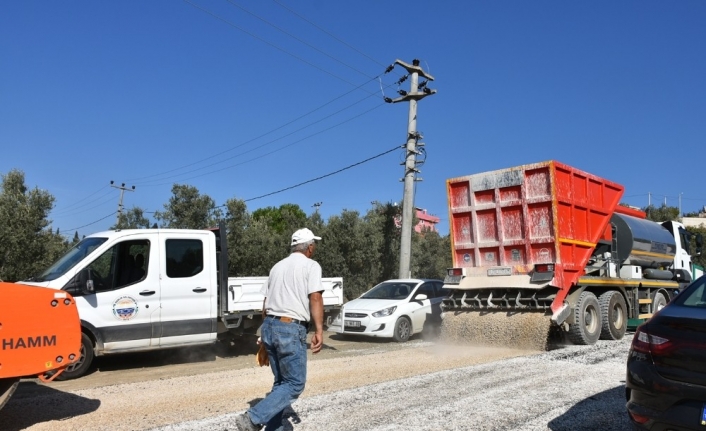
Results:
[550, 239]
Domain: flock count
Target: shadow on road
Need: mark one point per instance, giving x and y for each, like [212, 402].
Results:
[243, 346]
[604, 411]
[35, 403]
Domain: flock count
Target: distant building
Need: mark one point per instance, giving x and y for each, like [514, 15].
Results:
[427, 222]
[694, 221]
[699, 221]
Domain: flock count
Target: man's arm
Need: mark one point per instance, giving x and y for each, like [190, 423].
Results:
[316, 308]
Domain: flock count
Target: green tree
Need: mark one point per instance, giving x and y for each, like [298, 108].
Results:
[286, 218]
[188, 209]
[134, 218]
[431, 255]
[350, 248]
[28, 241]
[662, 213]
[700, 259]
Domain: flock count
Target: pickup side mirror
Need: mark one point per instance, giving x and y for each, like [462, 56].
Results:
[86, 281]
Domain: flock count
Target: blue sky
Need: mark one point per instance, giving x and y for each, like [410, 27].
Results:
[243, 98]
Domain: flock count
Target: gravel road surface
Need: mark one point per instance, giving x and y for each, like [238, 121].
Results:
[418, 385]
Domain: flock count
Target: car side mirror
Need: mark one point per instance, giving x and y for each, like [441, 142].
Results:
[420, 297]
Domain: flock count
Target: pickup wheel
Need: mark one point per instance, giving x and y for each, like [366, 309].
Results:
[587, 320]
[7, 387]
[403, 330]
[613, 315]
[81, 366]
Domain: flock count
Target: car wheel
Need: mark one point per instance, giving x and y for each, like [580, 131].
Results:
[81, 366]
[587, 320]
[613, 315]
[403, 330]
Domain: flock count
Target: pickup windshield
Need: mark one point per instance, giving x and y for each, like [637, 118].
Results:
[70, 259]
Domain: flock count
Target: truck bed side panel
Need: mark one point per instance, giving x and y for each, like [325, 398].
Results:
[244, 293]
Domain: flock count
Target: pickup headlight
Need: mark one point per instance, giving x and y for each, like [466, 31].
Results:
[385, 312]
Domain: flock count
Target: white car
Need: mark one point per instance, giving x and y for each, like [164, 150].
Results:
[393, 309]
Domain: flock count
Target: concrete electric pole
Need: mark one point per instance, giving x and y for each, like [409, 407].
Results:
[123, 189]
[417, 92]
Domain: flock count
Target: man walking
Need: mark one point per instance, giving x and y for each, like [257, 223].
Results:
[292, 300]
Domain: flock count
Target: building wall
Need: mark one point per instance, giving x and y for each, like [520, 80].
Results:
[426, 221]
[694, 221]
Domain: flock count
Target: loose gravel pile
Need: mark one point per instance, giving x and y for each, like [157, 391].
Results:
[521, 330]
[576, 388]
[420, 386]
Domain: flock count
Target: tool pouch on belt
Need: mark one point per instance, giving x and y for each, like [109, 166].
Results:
[261, 357]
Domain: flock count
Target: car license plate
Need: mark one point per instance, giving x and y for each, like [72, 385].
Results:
[505, 270]
[703, 415]
[354, 323]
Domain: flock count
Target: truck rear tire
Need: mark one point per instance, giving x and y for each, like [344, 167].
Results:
[81, 366]
[658, 302]
[587, 320]
[7, 388]
[613, 315]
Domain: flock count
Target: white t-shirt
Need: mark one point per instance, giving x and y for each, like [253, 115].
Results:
[288, 287]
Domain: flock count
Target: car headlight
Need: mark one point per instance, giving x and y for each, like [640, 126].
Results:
[385, 312]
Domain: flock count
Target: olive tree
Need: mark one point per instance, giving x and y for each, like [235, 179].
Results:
[28, 242]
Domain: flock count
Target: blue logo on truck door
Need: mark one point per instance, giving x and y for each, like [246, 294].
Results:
[125, 308]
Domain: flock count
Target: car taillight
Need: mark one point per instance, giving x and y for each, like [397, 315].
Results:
[454, 271]
[544, 267]
[645, 342]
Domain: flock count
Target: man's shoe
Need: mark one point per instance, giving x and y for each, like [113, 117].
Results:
[245, 424]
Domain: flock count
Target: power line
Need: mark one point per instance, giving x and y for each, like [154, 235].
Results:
[70, 206]
[268, 43]
[91, 223]
[297, 38]
[328, 33]
[323, 176]
[273, 151]
[255, 138]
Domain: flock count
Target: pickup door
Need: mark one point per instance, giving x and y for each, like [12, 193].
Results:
[124, 306]
[188, 288]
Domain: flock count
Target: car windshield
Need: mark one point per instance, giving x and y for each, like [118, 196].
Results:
[694, 295]
[70, 259]
[390, 290]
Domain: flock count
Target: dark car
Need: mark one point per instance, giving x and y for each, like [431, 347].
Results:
[666, 370]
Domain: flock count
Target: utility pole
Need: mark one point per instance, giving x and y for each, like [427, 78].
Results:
[123, 189]
[316, 207]
[680, 193]
[417, 92]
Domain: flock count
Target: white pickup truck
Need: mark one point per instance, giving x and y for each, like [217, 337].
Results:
[147, 289]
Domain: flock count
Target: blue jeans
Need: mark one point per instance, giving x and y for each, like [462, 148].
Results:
[286, 347]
